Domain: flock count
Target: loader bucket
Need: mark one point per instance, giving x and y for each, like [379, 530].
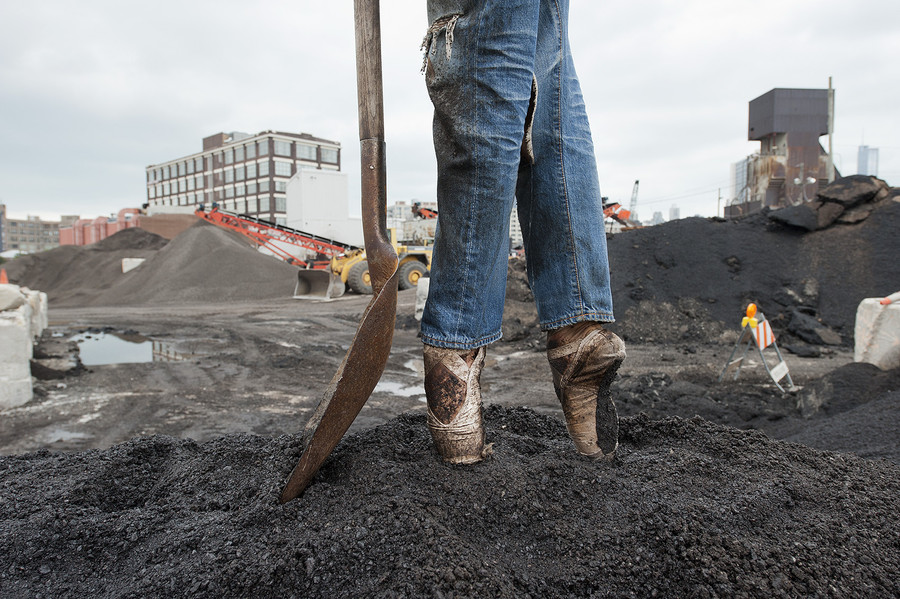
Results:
[318, 284]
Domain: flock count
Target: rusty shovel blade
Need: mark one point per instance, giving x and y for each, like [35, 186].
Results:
[365, 360]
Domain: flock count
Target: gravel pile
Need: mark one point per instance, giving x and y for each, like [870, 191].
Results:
[81, 275]
[689, 509]
[203, 264]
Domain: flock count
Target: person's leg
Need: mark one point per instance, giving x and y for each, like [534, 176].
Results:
[559, 203]
[479, 63]
[565, 244]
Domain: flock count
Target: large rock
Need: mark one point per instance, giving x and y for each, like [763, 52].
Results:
[853, 190]
[802, 216]
[811, 330]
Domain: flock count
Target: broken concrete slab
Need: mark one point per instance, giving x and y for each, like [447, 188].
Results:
[802, 216]
[853, 190]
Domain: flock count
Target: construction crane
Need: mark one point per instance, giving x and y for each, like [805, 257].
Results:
[632, 207]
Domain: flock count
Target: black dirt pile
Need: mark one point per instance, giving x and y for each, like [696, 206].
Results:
[689, 509]
[205, 263]
[77, 275]
[854, 408]
[691, 279]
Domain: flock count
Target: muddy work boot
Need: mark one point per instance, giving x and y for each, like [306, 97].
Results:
[454, 403]
[584, 358]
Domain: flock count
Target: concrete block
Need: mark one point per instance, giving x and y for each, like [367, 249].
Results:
[14, 393]
[877, 334]
[38, 302]
[421, 296]
[131, 263]
[15, 335]
[10, 297]
[18, 369]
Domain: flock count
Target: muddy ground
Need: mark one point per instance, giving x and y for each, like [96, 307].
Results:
[161, 478]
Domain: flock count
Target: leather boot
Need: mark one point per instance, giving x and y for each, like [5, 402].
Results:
[454, 403]
[584, 358]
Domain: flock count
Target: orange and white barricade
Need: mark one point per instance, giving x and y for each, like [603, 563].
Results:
[757, 332]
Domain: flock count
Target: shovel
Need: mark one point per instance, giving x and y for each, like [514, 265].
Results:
[365, 360]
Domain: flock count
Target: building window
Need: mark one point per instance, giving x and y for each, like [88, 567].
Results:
[282, 169]
[166, 171]
[264, 185]
[198, 165]
[251, 170]
[239, 190]
[166, 189]
[329, 155]
[229, 175]
[251, 188]
[282, 148]
[199, 182]
[306, 152]
[239, 154]
[280, 205]
[151, 192]
[264, 147]
[229, 156]
[251, 151]
[264, 169]
[239, 173]
[190, 167]
[280, 185]
[190, 184]
[229, 192]
[263, 204]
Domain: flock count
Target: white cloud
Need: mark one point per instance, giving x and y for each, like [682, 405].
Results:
[92, 92]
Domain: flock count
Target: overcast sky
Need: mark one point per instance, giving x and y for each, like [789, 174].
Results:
[91, 92]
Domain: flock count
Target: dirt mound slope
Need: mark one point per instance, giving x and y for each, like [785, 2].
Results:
[667, 277]
[205, 263]
[690, 509]
[77, 275]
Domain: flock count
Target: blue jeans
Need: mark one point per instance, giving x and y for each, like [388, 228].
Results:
[510, 127]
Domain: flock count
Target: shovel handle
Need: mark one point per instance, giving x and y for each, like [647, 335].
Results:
[380, 253]
[368, 69]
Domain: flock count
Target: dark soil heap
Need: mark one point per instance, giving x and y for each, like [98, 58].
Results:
[689, 509]
[690, 280]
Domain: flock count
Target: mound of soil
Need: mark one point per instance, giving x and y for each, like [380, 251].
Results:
[205, 263]
[826, 273]
[689, 509]
[80, 275]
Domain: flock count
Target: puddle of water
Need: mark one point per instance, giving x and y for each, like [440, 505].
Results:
[399, 389]
[98, 349]
[60, 434]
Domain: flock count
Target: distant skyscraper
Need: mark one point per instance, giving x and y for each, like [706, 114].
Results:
[674, 213]
[867, 161]
[657, 218]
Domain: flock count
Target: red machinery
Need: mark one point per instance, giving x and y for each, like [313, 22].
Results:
[269, 236]
[315, 277]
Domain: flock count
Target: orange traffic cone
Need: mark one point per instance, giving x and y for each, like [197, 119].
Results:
[4, 280]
